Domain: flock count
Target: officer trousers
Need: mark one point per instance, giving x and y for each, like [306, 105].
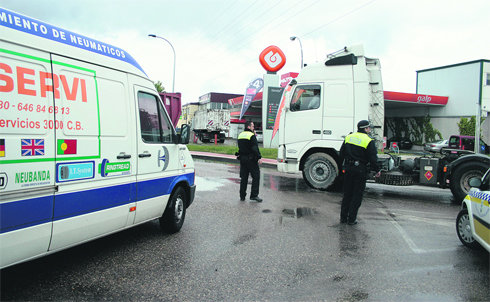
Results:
[249, 166]
[354, 185]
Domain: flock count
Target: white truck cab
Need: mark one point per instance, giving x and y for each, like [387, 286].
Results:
[86, 146]
[323, 105]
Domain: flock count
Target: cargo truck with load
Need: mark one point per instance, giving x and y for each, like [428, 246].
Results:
[211, 124]
[351, 89]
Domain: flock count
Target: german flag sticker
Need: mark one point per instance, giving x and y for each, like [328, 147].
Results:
[67, 146]
[2, 147]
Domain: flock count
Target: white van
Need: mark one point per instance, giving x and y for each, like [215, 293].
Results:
[86, 146]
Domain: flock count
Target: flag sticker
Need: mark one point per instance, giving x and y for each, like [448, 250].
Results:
[2, 147]
[32, 147]
[67, 146]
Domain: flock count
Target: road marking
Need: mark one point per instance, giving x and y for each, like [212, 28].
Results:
[429, 220]
[424, 269]
[404, 234]
[411, 244]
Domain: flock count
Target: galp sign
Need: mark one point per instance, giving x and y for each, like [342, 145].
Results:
[272, 58]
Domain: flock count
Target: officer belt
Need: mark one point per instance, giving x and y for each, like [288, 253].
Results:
[353, 162]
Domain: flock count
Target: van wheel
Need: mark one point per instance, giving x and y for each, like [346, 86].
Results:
[463, 228]
[320, 171]
[460, 179]
[174, 215]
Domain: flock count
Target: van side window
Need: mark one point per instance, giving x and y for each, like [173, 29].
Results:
[306, 98]
[154, 123]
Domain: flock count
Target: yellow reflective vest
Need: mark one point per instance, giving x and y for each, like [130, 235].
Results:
[358, 139]
[245, 135]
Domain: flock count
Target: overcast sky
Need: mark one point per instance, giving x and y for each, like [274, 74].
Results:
[218, 42]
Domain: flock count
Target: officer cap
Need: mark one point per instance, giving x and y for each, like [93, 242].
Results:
[363, 124]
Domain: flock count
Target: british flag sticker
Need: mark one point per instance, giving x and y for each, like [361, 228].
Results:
[32, 147]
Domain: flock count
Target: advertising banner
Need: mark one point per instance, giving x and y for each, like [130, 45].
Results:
[252, 89]
[273, 100]
[278, 117]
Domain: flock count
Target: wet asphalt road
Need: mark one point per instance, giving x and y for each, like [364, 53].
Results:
[288, 248]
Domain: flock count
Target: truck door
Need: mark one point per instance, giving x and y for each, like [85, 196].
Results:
[338, 110]
[303, 121]
[27, 152]
[158, 155]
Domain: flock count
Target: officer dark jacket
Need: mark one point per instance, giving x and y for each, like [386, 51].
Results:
[361, 148]
[248, 147]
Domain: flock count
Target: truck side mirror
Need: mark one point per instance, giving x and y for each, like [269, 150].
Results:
[185, 133]
[474, 182]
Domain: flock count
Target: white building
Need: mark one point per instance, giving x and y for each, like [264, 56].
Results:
[466, 84]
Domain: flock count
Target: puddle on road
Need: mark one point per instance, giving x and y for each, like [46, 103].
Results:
[294, 214]
[408, 193]
[356, 295]
[299, 212]
[210, 184]
[284, 184]
[244, 238]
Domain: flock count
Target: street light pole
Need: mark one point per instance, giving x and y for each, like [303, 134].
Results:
[300, 46]
[173, 80]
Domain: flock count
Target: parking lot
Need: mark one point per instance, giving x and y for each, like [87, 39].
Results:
[290, 247]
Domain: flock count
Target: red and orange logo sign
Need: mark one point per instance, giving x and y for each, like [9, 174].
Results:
[272, 58]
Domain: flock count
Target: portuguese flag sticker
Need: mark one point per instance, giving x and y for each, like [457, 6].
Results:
[67, 146]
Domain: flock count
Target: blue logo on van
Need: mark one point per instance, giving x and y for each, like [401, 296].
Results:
[34, 27]
[164, 158]
[75, 171]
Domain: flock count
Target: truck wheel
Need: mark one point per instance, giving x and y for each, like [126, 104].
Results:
[174, 215]
[463, 228]
[320, 171]
[459, 182]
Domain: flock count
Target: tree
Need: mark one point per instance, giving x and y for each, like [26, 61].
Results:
[159, 86]
[467, 126]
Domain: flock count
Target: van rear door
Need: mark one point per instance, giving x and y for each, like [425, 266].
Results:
[27, 153]
[454, 142]
[95, 149]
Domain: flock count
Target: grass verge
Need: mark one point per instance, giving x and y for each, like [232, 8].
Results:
[222, 149]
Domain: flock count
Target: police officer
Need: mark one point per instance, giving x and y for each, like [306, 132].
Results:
[250, 158]
[356, 152]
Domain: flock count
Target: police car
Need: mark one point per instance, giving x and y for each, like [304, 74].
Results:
[473, 221]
